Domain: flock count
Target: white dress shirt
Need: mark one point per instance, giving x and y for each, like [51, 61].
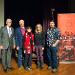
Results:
[9, 31]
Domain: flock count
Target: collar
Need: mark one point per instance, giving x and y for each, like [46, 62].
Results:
[7, 27]
[22, 27]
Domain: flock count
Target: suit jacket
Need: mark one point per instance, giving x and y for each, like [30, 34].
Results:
[5, 40]
[19, 37]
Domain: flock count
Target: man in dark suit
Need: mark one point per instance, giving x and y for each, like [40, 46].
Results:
[19, 33]
[7, 42]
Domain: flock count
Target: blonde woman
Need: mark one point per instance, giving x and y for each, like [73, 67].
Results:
[39, 45]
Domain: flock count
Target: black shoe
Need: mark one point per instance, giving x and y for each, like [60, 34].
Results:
[49, 67]
[42, 66]
[5, 70]
[38, 67]
[29, 69]
[10, 69]
[26, 68]
[54, 70]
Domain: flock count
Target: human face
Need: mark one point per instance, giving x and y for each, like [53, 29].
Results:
[9, 22]
[38, 27]
[52, 24]
[21, 23]
[29, 30]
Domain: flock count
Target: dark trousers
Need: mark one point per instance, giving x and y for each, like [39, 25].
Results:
[20, 56]
[52, 56]
[28, 60]
[0, 53]
[39, 53]
[6, 58]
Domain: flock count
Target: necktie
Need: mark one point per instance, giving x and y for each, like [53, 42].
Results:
[10, 32]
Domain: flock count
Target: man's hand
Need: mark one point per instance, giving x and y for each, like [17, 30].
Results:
[24, 51]
[17, 47]
[42, 48]
[1, 47]
[54, 45]
[14, 46]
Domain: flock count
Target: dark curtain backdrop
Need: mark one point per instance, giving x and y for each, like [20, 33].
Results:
[36, 11]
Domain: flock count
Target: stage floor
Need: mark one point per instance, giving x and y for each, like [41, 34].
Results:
[64, 69]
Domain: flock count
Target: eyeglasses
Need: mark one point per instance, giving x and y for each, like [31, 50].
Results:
[9, 22]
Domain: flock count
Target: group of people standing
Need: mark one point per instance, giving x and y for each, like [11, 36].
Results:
[25, 42]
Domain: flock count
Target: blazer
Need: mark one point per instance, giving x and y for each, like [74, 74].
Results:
[19, 37]
[5, 40]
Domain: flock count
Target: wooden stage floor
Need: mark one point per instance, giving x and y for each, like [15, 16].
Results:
[64, 69]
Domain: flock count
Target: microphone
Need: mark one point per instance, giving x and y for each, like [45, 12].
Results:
[52, 10]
